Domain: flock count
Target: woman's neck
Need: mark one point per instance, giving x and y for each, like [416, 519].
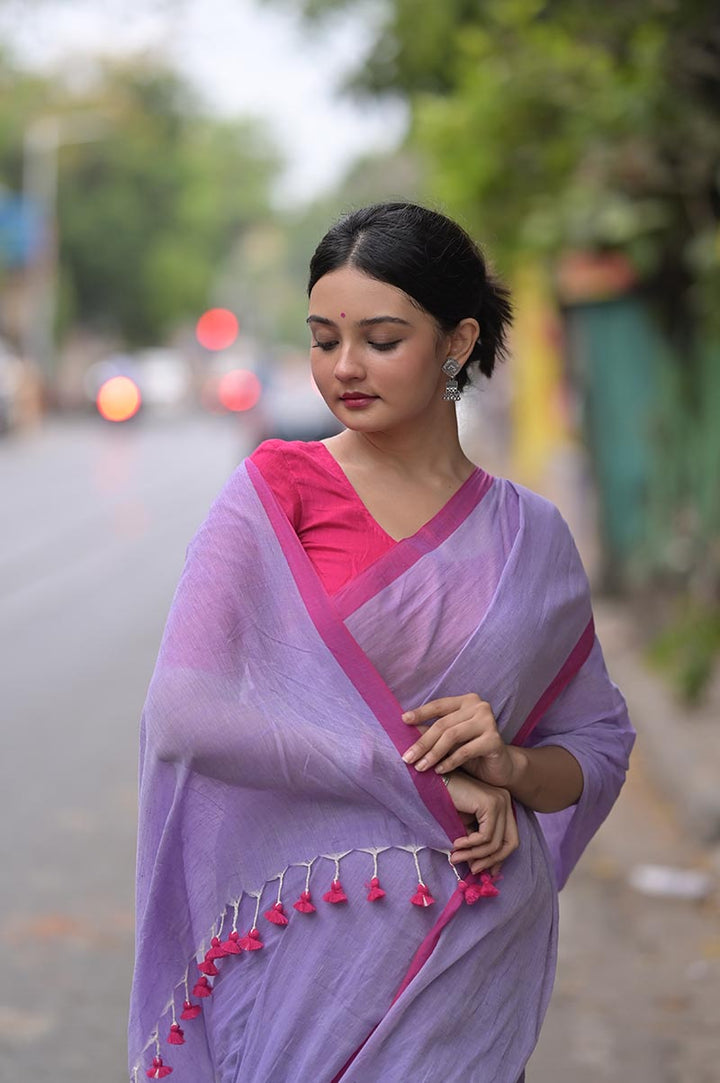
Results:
[413, 453]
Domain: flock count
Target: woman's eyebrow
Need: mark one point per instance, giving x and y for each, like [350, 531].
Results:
[369, 322]
[382, 319]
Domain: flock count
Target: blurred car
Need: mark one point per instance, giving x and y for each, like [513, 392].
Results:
[161, 375]
[164, 378]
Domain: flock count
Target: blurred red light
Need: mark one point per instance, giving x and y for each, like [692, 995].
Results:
[239, 390]
[217, 329]
[118, 399]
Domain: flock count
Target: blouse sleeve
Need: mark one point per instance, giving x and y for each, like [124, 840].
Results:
[589, 718]
[272, 462]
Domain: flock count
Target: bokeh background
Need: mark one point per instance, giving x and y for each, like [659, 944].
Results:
[166, 168]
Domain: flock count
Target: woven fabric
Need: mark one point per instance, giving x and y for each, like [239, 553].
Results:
[271, 775]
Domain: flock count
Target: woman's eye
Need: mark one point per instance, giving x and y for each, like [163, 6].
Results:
[324, 346]
[382, 346]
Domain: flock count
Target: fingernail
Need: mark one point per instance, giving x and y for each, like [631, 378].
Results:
[407, 716]
[408, 756]
[421, 765]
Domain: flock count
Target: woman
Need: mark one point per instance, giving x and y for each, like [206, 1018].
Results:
[379, 686]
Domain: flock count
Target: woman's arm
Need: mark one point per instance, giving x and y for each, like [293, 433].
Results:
[543, 779]
[465, 735]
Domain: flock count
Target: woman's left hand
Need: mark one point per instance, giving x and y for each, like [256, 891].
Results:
[464, 735]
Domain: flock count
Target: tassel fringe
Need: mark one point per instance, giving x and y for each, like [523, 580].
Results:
[235, 944]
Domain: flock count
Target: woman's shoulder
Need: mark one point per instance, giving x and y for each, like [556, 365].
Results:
[531, 502]
[538, 514]
[285, 452]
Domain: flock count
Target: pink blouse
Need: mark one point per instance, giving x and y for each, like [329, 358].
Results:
[336, 530]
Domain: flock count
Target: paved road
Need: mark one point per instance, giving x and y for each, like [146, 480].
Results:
[96, 522]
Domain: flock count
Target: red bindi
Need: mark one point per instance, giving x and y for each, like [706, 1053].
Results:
[342, 315]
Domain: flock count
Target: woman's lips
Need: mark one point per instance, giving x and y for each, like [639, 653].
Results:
[357, 401]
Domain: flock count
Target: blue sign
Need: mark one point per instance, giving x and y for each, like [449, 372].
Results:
[21, 231]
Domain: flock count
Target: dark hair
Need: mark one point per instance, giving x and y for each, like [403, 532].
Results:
[431, 259]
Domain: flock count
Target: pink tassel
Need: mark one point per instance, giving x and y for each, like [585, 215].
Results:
[488, 888]
[422, 896]
[252, 941]
[304, 904]
[375, 892]
[158, 1070]
[202, 987]
[217, 951]
[176, 1035]
[276, 914]
[190, 1011]
[207, 966]
[335, 894]
[231, 946]
[471, 892]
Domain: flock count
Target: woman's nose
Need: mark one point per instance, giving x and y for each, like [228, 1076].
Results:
[349, 365]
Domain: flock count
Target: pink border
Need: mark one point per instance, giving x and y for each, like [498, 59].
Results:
[387, 568]
[352, 659]
[573, 663]
[368, 682]
[419, 959]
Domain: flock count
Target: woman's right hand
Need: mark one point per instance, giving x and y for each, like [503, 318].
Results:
[496, 836]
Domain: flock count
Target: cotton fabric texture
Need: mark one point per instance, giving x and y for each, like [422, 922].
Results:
[335, 528]
[271, 766]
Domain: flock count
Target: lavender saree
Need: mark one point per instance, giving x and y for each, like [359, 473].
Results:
[297, 915]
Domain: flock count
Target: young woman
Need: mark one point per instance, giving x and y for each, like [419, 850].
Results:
[380, 731]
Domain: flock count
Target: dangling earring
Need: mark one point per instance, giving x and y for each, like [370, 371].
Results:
[451, 369]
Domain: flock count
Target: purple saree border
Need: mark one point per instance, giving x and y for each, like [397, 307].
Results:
[571, 666]
[408, 551]
[351, 658]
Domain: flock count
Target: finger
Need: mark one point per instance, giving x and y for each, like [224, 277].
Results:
[493, 861]
[490, 820]
[436, 708]
[474, 748]
[489, 854]
[481, 842]
[435, 743]
[502, 854]
[484, 865]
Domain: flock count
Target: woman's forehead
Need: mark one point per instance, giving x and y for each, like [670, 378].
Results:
[350, 294]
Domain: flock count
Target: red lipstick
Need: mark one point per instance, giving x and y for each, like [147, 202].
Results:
[357, 400]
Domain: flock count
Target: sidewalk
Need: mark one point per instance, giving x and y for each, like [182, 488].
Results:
[681, 745]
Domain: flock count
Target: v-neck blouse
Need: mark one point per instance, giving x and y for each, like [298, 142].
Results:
[335, 529]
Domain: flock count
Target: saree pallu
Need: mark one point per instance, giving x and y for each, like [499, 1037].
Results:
[297, 914]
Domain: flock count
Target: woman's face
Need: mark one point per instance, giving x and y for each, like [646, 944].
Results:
[375, 357]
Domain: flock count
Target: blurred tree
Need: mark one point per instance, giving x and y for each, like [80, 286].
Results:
[552, 122]
[147, 211]
[549, 125]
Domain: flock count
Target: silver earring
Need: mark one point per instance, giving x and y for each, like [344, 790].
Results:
[451, 369]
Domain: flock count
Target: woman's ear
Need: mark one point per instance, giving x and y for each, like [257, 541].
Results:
[463, 339]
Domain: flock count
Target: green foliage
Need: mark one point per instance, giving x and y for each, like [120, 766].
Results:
[148, 208]
[687, 651]
[548, 123]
